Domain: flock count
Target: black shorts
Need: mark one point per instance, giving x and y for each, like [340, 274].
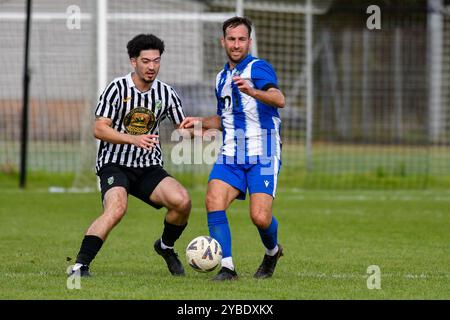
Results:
[139, 182]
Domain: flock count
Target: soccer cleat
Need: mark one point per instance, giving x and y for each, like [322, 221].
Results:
[83, 271]
[268, 264]
[225, 274]
[171, 258]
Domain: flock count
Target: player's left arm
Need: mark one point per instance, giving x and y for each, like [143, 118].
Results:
[272, 96]
[263, 85]
[176, 114]
[174, 110]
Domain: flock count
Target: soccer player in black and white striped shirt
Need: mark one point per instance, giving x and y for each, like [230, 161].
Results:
[129, 159]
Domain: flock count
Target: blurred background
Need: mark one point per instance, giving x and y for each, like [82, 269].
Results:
[366, 108]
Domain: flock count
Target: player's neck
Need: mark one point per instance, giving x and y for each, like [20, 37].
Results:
[142, 86]
[233, 64]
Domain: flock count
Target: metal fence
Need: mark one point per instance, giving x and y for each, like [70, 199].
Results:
[365, 108]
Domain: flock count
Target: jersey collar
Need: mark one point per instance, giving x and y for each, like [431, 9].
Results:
[131, 84]
[241, 65]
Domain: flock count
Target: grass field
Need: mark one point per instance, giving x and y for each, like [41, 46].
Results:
[332, 166]
[330, 239]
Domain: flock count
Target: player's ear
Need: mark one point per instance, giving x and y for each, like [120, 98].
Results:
[133, 62]
[222, 42]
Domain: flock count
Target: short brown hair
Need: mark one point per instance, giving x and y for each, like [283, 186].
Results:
[236, 21]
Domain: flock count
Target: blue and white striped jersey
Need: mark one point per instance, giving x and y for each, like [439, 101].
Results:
[250, 127]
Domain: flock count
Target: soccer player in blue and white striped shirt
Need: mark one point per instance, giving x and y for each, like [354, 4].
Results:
[247, 111]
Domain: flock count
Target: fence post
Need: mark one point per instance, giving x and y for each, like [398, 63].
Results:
[25, 109]
[434, 60]
[309, 84]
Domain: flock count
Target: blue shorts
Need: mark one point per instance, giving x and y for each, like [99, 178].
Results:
[258, 177]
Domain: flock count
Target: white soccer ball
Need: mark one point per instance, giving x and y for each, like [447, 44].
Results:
[204, 254]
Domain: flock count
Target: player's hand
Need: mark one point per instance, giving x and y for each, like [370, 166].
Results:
[189, 122]
[145, 141]
[243, 85]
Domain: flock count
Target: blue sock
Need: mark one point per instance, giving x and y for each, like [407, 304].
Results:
[269, 236]
[220, 230]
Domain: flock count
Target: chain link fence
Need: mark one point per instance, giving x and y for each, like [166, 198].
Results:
[365, 108]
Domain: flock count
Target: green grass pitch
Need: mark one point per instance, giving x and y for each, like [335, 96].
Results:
[330, 239]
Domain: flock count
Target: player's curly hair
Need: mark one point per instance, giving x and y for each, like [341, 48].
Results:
[236, 21]
[144, 42]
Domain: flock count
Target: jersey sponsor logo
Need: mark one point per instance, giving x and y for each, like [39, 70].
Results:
[139, 120]
[226, 103]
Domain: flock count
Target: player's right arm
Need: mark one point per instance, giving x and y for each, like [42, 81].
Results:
[212, 122]
[104, 132]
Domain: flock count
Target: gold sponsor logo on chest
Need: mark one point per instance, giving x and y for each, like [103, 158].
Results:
[139, 120]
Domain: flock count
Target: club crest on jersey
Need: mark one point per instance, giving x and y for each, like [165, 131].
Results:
[158, 105]
[139, 120]
[111, 180]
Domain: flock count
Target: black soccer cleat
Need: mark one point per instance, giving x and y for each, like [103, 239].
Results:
[268, 264]
[83, 271]
[171, 258]
[225, 274]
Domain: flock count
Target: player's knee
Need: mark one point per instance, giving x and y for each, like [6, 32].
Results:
[182, 203]
[208, 202]
[213, 202]
[261, 220]
[185, 206]
[116, 211]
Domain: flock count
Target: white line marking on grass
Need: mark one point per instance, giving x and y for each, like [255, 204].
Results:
[322, 275]
[364, 198]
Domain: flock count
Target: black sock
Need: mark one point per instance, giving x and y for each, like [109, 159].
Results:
[171, 233]
[89, 248]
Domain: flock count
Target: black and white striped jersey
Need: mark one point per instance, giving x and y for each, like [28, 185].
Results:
[135, 112]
